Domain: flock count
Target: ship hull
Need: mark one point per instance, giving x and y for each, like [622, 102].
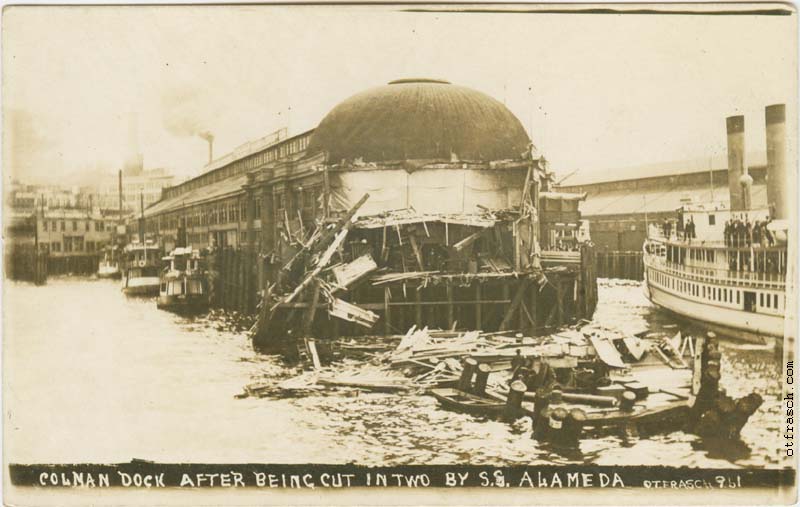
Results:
[183, 303]
[145, 286]
[737, 324]
[109, 274]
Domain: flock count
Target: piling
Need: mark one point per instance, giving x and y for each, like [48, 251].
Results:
[465, 381]
[481, 378]
[514, 400]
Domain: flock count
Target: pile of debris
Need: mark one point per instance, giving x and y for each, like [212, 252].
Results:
[399, 249]
[581, 377]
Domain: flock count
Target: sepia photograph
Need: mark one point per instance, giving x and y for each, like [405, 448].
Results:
[399, 254]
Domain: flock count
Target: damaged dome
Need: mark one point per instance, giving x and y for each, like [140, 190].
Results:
[413, 119]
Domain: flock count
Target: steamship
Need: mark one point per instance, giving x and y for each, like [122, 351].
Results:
[141, 269]
[710, 268]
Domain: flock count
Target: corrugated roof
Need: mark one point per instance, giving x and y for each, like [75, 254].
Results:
[660, 169]
[420, 119]
[626, 203]
[205, 193]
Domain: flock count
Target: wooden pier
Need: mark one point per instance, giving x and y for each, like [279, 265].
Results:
[627, 265]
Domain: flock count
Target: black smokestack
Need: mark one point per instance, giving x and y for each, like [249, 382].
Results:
[209, 137]
[736, 166]
[777, 192]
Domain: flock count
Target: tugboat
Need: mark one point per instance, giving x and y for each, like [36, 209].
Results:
[724, 265]
[109, 264]
[183, 286]
[141, 269]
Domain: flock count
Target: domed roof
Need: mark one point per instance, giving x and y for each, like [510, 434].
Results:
[412, 119]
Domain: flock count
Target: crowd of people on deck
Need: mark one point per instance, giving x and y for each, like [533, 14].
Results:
[742, 232]
[739, 231]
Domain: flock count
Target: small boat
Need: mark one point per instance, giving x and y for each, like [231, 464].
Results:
[109, 264]
[141, 269]
[486, 405]
[183, 285]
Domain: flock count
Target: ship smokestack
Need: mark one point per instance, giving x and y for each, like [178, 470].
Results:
[775, 116]
[736, 167]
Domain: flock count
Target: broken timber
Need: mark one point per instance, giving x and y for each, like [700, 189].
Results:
[463, 272]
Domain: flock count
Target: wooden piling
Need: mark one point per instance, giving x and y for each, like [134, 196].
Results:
[514, 400]
[449, 305]
[481, 378]
[465, 381]
[478, 316]
[387, 312]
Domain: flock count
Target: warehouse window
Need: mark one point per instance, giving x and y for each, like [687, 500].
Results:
[712, 220]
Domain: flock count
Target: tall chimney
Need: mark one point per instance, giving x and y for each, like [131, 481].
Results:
[736, 167]
[209, 137]
[775, 116]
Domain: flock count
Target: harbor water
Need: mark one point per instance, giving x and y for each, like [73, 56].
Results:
[94, 376]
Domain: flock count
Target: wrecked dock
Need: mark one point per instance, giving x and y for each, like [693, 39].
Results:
[365, 225]
[397, 268]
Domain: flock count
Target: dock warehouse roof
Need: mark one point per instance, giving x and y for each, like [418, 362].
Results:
[224, 188]
[662, 187]
[653, 201]
[227, 174]
[659, 170]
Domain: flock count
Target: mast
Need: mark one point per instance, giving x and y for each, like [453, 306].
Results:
[711, 178]
[141, 218]
[119, 190]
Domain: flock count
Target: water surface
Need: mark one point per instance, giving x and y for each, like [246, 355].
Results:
[94, 376]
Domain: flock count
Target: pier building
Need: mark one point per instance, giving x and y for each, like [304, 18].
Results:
[426, 193]
[620, 202]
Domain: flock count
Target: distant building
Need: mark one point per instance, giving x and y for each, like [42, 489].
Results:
[65, 232]
[56, 220]
[23, 197]
[621, 202]
[136, 185]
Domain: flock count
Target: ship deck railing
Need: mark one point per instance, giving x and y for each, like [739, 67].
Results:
[716, 244]
[718, 276]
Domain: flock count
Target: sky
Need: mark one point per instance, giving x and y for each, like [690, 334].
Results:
[595, 92]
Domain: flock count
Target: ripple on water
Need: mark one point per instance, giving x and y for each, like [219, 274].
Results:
[127, 380]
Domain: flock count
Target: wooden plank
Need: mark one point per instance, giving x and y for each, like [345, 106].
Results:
[472, 238]
[607, 352]
[312, 350]
[417, 252]
[312, 310]
[323, 262]
[504, 325]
